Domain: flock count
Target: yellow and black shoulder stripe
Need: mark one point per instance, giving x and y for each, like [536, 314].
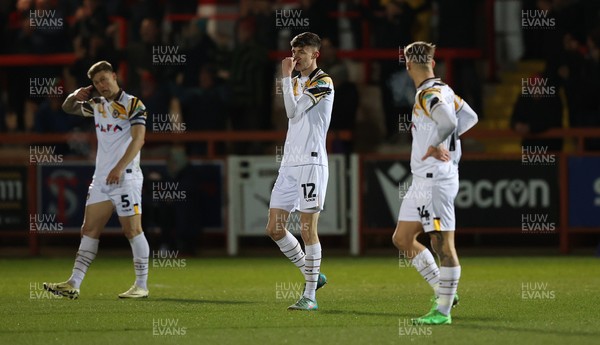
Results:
[135, 106]
[321, 80]
[428, 98]
[319, 87]
[136, 112]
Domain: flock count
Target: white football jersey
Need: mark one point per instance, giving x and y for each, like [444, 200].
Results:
[305, 142]
[113, 123]
[431, 93]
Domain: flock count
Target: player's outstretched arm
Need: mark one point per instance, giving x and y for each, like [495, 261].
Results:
[467, 118]
[77, 102]
[138, 134]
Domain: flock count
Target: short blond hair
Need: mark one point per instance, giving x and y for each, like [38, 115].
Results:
[420, 53]
[99, 66]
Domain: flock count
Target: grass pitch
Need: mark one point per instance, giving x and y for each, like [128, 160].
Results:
[544, 300]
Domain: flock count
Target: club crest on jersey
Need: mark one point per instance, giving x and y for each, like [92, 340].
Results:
[118, 110]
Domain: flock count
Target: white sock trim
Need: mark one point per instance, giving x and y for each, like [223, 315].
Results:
[291, 248]
[285, 240]
[425, 264]
[313, 248]
[88, 248]
[312, 269]
[449, 277]
[141, 253]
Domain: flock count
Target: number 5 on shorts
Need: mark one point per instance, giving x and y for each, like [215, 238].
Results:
[124, 202]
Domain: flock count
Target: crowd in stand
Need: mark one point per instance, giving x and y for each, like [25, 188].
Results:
[570, 46]
[226, 79]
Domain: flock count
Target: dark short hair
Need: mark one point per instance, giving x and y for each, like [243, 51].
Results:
[306, 39]
[99, 66]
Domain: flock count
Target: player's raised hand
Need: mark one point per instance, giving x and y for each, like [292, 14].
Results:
[439, 153]
[287, 66]
[84, 93]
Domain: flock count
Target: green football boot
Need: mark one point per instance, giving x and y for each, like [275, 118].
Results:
[304, 304]
[433, 318]
[434, 303]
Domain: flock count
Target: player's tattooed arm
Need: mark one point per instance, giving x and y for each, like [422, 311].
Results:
[77, 102]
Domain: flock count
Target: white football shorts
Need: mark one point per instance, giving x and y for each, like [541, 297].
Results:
[125, 196]
[430, 202]
[300, 188]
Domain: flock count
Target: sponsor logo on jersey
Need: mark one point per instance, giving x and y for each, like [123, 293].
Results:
[109, 128]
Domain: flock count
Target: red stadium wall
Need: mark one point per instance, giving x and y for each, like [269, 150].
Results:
[572, 182]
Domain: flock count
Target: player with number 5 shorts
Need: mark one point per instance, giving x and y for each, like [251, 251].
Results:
[120, 121]
[439, 118]
[302, 181]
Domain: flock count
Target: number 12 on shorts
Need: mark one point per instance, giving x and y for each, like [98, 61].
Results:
[311, 190]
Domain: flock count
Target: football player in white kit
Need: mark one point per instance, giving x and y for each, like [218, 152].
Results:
[120, 121]
[302, 180]
[439, 118]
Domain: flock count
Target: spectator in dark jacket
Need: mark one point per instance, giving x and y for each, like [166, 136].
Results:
[538, 109]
